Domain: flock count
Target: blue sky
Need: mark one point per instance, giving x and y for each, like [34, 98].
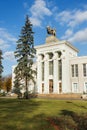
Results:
[69, 17]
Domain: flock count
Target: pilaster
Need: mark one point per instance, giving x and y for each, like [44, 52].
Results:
[39, 74]
[46, 74]
[55, 73]
[65, 74]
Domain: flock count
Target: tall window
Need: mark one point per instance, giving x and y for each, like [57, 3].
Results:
[50, 86]
[74, 69]
[42, 71]
[60, 69]
[75, 87]
[85, 70]
[50, 67]
[86, 87]
[42, 87]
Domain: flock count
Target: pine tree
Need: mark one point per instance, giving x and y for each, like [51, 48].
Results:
[17, 84]
[1, 69]
[25, 54]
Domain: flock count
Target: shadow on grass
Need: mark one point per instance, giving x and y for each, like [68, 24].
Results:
[22, 114]
[80, 120]
[40, 122]
[15, 114]
[17, 105]
[69, 102]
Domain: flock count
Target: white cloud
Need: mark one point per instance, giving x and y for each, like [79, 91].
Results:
[6, 39]
[68, 33]
[54, 9]
[64, 16]
[72, 18]
[1, 41]
[39, 10]
[35, 21]
[80, 36]
[78, 17]
[76, 37]
[5, 35]
[9, 55]
[4, 46]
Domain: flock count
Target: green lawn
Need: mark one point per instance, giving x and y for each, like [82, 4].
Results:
[21, 114]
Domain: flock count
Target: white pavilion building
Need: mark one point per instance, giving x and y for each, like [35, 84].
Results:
[59, 69]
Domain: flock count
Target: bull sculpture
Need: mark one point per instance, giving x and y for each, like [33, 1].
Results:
[51, 31]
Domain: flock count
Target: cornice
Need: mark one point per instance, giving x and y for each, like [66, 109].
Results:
[59, 43]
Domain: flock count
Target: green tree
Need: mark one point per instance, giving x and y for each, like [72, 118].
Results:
[17, 84]
[1, 69]
[8, 83]
[25, 54]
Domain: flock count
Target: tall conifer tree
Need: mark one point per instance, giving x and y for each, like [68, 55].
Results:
[1, 69]
[25, 54]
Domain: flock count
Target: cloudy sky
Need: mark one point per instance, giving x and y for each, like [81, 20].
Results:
[69, 17]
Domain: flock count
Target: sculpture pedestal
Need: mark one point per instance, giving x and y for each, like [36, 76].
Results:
[50, 39]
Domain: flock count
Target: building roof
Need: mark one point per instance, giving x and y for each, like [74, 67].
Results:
[50, 41]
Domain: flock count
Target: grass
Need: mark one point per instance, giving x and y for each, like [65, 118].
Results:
[21, 114]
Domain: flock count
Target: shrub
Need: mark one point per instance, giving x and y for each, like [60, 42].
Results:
[65, 123]
[81, 121]
[3, 94]
[70, 122]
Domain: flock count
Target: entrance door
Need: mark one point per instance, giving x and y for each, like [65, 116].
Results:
[60, 87]
[42, 87]
[50, 86]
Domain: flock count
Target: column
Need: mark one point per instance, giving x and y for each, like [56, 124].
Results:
[64, 74]
[55, 73]
[46, 74]
[39, 74]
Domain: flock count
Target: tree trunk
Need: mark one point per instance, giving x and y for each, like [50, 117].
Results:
[26, 86]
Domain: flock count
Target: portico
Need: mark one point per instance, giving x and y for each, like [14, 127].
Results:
[49, 67]
[53, 66]
[49, 74]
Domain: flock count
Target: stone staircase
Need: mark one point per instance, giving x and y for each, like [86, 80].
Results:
[60, 96]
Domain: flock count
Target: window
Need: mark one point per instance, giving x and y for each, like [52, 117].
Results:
[74, 69]
[84, 70]
[86, 87]
[75, 87]
[50, 56]
[50, 86]
[42, 71]
[60, 69]
[42, 87]
[59, 54]
[50, 67]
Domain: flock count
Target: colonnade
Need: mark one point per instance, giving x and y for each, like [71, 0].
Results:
[46, 58]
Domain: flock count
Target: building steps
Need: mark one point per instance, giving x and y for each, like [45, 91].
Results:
[60, 96]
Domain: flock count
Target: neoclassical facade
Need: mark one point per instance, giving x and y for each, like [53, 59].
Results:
[59, 69]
